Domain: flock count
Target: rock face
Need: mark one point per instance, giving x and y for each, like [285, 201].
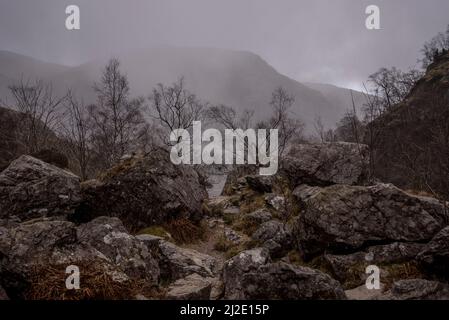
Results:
[145, 190]
[192, 287]
[341, 218]
[235, 268]
[435, 255]
[274, 236]
[31, 188]
[352, 266]
[102, 243]
[417, 289]
[326, 164]
[176, 262]
[286, 282]
[129, 254]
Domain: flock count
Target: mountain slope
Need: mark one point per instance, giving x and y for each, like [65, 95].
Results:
[412, 144]
[239, 79]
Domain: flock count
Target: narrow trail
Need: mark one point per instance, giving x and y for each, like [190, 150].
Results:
[215, 225]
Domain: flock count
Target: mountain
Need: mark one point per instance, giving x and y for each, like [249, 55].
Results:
[239, 79]
[340, 97]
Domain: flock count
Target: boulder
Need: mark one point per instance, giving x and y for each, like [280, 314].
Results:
[352, 266]
[326, 164]
[342, 218]
[31, 188]
[435, 255]
[287, 282]
[129, 254]
[35, 245]
[275, 236]
[258, 217]
[176, 262]
[192, 287]
[417, 289]
[235, 268]
[145, 190]
[275, 201]
[261, 184]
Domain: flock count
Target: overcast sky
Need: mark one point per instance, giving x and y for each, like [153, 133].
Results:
[319, 40]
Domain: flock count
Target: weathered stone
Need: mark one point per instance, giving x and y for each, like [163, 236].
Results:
[235, 268]
[352, 266]
[145, 190]
[33, 245]
[192, 287]
[261, 184]
[259, 216]
[31, 188]
[275, 201]
[342, 218]
[286, 282]
[109, 236]
[326, 164]
[435, 255]
[176, 262]
[417, 289]
[275, 236]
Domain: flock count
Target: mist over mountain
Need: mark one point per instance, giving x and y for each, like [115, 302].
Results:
[239, 79]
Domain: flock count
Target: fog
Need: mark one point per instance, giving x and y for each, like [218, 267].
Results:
[315, 41]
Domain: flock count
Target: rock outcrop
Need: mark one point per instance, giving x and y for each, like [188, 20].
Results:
[343, 218]
[102, 242]
[31, 188]
[235, 268]
[192, 287]
[417, 289]
[435, 256]
[286, 282]
[326, 164]
[145, 190]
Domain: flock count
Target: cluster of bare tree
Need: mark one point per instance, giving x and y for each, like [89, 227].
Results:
[290, 129]
[96, 136]
[436, 46]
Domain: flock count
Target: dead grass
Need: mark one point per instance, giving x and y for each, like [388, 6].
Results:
[184, 231]
[121, 167]
[48, 283]
[157, 231]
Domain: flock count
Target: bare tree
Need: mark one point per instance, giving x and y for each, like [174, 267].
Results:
[431, 49]
[77, 135]
[174, 107]
[320, 130]
[393, 85]
[116, 118]
[41, 113]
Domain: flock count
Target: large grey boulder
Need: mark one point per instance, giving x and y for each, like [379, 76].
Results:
[287, 282]
[31, 188]
[275, 236]
[192, 287]
[145, 190]
[128, 253]
[35, 245]
[176, 262]
[342, 218]
[352, 267]
[235, 268]
[417, 289]
[435, 255]
[326, 164]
